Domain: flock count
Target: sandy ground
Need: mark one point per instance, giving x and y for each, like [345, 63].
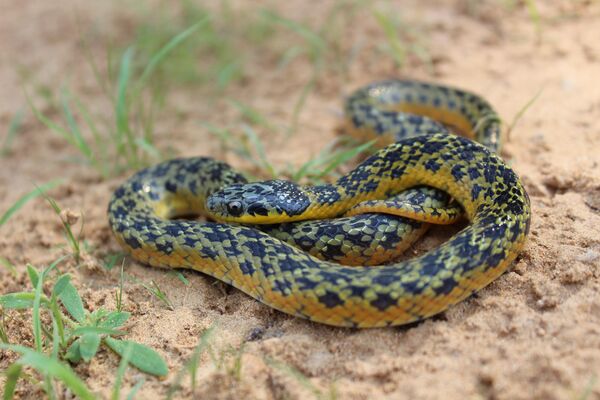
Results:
[533, 333]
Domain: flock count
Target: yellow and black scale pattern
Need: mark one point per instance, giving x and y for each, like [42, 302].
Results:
[293, 281]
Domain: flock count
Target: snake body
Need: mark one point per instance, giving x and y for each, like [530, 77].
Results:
[295, 282]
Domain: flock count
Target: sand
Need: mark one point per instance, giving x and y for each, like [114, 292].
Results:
[533, 333]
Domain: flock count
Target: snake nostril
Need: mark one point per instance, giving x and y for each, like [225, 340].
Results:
[235, 208]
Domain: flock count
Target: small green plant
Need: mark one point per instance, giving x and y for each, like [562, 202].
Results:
[157, 292]
[72, 335]
[68, 219]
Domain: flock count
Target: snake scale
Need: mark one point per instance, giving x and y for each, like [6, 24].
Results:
[421, 154]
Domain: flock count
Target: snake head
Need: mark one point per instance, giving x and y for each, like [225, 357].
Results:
[265, 202]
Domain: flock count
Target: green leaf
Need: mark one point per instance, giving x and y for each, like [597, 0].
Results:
[121, 372]
[33, 275]
[142, 357]
[115, 319]
[17, 301]
[88, 345]
[60, 285]
[51, 367]
[13, 372]
[72, 302]
[25, 198]
[73, 352]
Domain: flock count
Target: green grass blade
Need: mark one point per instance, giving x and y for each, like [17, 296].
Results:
[119, 294]
[227, 74]
[147, 147]
[3, 334]
[12, 373]
[389, 29]
[13, 129]
[111, 260]
[34, 277]
[142, 357]
[344, 156]
[9, 266]
[78, 138]
[521, 112]
[51, 367]
[299, 105]
[317, 43]
[182, 278]
[253, 115]
[124, 134]
[534, 15]
[256, 143]
[166, 49]
[37, 324]
[294, 373]
[135, 389]
[49, 123]
[26, 198]
[191, 365]
[157, 292]
[100, 143]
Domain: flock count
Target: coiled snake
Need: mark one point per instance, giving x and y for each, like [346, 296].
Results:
[289, 279]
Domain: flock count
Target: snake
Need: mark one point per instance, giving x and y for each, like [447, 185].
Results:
[148, 214]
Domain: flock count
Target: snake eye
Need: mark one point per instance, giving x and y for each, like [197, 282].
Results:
[235, 208]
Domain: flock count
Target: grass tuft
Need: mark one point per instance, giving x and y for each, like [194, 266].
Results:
[128, 142]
